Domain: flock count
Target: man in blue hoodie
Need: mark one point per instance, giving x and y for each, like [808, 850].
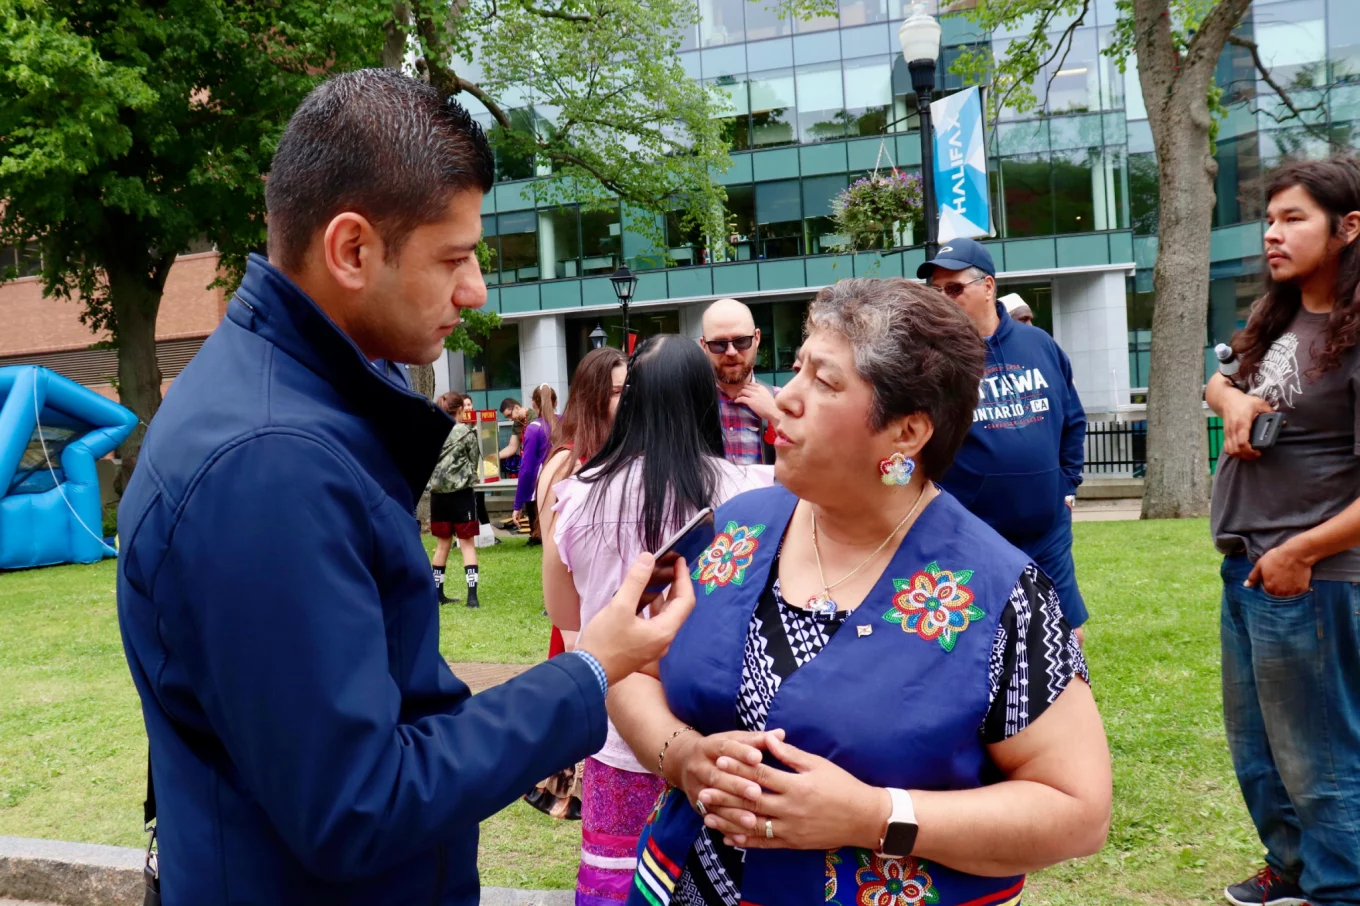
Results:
[1019, 468]
[308, 743]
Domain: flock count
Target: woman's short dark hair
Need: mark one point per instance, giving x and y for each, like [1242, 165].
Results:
[668, 416]
[917, 350]
[377, 143]
[1335, 185]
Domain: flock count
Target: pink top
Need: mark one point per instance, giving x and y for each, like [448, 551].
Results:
[597, 551]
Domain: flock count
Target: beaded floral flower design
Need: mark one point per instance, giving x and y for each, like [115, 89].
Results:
[727, 558]
[897, 470]
[893, 882]
[833, 858]
[935, 604]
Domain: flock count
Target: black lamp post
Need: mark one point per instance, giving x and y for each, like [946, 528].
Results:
[624, 284]
[920, 38]
[597, 337]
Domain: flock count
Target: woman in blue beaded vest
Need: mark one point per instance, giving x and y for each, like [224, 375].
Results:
[876, 700]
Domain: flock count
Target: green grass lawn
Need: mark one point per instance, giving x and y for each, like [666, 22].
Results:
[72, 749]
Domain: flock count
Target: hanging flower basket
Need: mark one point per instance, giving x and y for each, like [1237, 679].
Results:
[876, 210]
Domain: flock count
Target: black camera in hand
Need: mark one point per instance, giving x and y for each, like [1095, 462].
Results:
[1265, 428]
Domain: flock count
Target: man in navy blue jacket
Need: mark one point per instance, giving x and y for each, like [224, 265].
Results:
[308, 743]
[1021, 463]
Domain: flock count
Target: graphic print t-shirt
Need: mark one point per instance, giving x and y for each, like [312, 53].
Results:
[1313, 471]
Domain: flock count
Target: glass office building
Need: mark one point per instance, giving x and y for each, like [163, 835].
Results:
[813, 105]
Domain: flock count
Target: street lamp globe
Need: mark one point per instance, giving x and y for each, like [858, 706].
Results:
[624, 284]
[919, 34]
[597, 337]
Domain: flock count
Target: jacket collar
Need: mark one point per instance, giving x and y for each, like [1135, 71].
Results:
[411, 427]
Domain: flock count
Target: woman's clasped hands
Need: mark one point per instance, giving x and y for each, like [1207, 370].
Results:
[755, 805]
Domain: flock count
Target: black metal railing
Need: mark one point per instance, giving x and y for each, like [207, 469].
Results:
[1120, 448]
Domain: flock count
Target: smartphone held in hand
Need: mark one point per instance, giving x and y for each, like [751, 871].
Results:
[689, 542]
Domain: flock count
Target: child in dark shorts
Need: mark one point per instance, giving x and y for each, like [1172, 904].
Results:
[453, 502]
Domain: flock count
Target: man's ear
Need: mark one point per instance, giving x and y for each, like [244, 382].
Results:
[352, 249]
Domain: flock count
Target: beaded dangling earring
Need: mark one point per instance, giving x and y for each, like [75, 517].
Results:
[897, 469]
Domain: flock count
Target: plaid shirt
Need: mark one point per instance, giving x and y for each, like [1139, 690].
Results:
[742, 430]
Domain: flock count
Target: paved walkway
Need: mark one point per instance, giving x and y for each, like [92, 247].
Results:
[1108, 510]
[481, 676]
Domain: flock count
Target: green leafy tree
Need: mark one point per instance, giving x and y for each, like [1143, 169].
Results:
[131, 129]
[1177, 44]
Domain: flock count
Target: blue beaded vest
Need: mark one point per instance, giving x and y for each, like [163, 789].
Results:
[897, 698]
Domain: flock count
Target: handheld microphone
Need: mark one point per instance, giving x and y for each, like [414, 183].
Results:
[1228, 364]
[1227, 360]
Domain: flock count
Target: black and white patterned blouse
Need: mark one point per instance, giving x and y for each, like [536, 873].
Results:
[1034, 656]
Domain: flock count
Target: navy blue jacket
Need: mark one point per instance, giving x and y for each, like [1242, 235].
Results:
[309, 743]
[1025, 451]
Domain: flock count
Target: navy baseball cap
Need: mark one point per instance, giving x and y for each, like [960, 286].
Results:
[958, 255]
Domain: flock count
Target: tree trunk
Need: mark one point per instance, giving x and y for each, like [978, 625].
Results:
[394, 47]
[422, 379]
[1175, 83]
[1178, 455]
[135, 304]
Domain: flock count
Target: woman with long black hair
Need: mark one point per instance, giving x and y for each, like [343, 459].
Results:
[1287, 519]
[580, 433]
[662, 463]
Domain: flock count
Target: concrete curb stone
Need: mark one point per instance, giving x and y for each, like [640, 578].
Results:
[55, 873]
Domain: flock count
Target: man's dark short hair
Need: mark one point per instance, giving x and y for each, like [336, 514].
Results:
[380, 144]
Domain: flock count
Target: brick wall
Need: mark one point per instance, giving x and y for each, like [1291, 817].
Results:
[31, 325]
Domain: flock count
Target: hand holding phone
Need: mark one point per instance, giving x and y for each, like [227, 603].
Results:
[1265, 429]
[689, 544]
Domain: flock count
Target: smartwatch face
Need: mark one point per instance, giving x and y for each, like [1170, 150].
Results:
[900, 839]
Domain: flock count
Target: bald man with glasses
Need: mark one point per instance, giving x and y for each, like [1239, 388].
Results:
[746, 406]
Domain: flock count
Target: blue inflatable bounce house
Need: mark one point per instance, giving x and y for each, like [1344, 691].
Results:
[51, 432]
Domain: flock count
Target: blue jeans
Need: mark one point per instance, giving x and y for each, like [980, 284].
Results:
[1052, 553]
[1291, 707]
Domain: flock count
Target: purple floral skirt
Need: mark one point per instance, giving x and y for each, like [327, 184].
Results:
[614, 807]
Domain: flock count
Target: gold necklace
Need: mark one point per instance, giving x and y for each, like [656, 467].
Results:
[822, 603]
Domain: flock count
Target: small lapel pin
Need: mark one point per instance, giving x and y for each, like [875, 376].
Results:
[864, 630]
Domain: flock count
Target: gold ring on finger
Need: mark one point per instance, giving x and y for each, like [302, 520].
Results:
[769, 829]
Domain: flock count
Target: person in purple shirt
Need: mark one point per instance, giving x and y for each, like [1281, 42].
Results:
[537, 442]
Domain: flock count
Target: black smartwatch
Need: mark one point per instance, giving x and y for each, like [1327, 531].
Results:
[899, 836]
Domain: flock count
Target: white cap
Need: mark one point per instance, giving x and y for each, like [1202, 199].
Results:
[1012, 301]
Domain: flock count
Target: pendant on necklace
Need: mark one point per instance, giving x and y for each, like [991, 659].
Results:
[822, 605]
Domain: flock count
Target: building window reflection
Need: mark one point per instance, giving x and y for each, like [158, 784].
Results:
[868, 95]
[779, 218]
[496, 367]
[601, 232]
[1027, 195]
[821, 103]
[519, 246]
[774, 110]
[721, 22]
[1074, 78]
[732, 107]
[1293, 42]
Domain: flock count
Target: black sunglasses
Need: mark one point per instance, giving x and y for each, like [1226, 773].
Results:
[954, 290]
[740, 344]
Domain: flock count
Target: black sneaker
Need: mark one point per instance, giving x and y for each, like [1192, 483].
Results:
[1266, 888]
